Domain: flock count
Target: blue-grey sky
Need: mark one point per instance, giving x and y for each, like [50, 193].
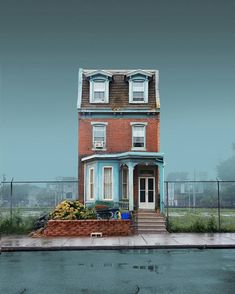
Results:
[43, 43]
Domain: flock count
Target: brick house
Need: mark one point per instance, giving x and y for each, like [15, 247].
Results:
[118, 138]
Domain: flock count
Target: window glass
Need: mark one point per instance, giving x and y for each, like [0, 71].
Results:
[98, 134]
[91, 181]
[138, 136]
[108, 183]
[138, 91]
[125, 183]
[99, 91]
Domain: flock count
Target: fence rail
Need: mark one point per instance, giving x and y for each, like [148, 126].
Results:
[200, 205]
[188, 204]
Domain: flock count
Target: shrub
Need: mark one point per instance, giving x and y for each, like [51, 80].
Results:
[199, 226]
[17, 224]
[211, 225]
[72, 210]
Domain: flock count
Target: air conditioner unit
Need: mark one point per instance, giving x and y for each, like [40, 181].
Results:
[98, 144]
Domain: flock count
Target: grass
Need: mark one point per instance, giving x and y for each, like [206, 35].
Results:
[18, 224]
[201, 220]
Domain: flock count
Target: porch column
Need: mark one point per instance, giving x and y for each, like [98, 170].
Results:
[161, 188]
[131, 166]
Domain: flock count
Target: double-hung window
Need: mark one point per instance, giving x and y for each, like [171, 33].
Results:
[99, 135]
[138, 91]
[125, 183]
[99, 91]
[107, 183]
[139, 136]
[91, 183]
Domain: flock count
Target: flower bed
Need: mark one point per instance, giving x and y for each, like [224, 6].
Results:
[71, 218]
[86, 227]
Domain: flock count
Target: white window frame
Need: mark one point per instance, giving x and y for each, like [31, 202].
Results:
[91, 96]
[103, 124]
[131, 82]
[127, 183]
[89, 184]
[109, 199]
[139, 124]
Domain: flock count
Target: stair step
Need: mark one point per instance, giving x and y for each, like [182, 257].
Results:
[150, 231]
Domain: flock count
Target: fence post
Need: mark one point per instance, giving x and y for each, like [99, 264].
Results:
[218, 194]
[167, 212]
[11, 200]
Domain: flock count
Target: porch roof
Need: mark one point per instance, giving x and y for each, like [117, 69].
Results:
[128, 156]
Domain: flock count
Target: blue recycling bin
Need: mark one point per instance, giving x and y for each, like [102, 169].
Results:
[125, 215]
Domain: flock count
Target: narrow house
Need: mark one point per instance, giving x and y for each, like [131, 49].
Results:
[119, 154]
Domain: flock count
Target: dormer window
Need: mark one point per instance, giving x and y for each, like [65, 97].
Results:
[99, 86]
[99, 91]
[138, 91]
[138, 86]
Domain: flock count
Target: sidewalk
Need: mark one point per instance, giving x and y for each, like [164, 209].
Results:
[143, 241]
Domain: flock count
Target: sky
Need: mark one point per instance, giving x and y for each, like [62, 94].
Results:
[43, 43]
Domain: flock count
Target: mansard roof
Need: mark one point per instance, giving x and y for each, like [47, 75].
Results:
[118, 89]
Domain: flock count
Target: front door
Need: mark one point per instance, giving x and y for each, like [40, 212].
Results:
[146, 193]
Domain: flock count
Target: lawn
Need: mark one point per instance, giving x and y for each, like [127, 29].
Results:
[201, 219]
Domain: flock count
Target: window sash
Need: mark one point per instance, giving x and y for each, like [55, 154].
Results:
[125, 183]
[108, 183]
[138, 133]
[91, 183]
[99, 91]
[98, 133]
[138, 91]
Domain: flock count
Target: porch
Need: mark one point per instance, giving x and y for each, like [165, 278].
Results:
[130, 180]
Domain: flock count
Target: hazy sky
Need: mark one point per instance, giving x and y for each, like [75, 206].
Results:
[43, 43]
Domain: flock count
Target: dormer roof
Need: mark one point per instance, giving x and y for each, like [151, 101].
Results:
[139, 72]
[94, 73]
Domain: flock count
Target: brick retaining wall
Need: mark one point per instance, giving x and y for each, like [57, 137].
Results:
[86, 227]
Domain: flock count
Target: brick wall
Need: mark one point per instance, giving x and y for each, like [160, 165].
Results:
[118, 134]
[86, 227]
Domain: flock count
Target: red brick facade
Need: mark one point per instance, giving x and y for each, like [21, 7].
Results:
[118, 134]
[56, 228]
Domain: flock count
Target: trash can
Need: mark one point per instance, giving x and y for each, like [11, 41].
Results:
[125, 215]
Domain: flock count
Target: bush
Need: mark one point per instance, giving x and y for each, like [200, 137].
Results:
[199, 226]
[17, 225]
[211, 225]
[72, 210]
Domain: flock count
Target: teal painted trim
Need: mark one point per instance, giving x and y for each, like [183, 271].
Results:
[131, 110]
[115, 115]
[115, 166]
[162, 188]
[79, 101]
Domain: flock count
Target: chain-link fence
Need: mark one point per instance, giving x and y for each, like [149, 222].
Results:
[200, 205]
[30, 198]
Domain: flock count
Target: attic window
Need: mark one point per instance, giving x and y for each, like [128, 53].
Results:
[138, 89]
[99, 91]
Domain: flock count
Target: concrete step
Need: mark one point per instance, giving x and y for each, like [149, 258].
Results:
[153, 227]
[149, 223]
[151, 231]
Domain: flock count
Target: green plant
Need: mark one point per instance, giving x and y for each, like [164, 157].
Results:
[18, 224]
[211, 225]
[199, 226]
[72, 210]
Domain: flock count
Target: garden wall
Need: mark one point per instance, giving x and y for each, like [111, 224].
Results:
[86, 227]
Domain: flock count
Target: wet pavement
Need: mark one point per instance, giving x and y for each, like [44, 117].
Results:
[179, 240]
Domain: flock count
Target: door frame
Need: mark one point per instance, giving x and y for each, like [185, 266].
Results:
[146, 204]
